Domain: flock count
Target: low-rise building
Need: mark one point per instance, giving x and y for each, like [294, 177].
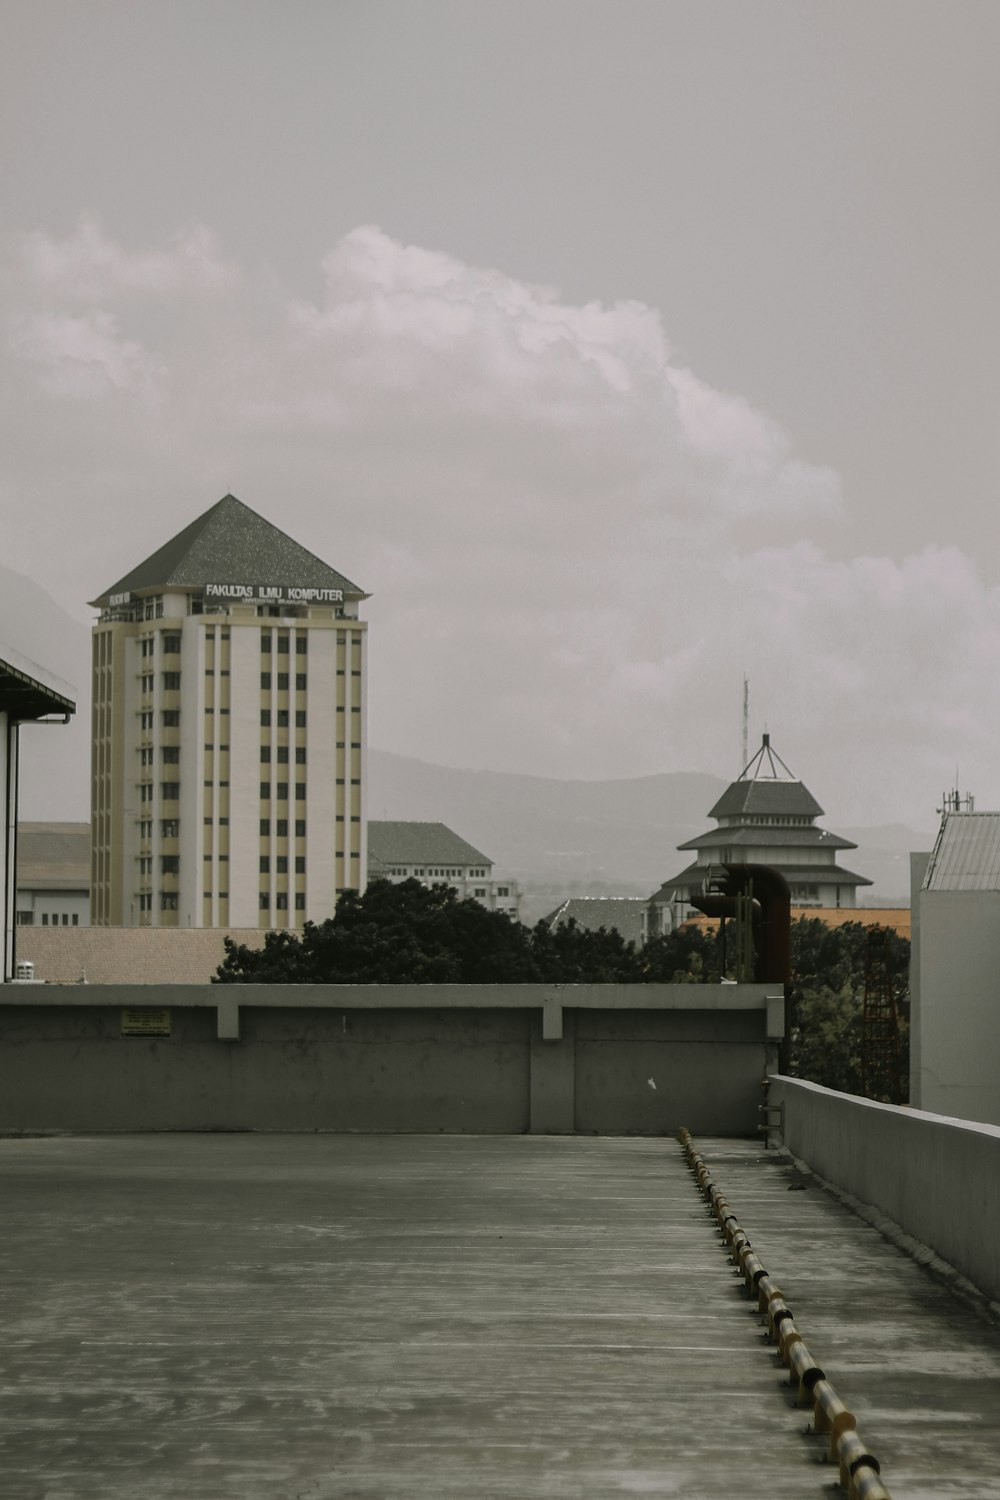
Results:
[622, 914]
[53, 875]
[433, 854]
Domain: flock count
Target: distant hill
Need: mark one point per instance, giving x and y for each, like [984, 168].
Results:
[563, 838]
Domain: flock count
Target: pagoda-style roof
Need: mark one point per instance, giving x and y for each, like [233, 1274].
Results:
[230, 544]
[694, 876]
[783, 838]
[766, 787]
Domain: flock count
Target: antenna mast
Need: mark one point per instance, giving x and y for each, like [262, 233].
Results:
[746, 723]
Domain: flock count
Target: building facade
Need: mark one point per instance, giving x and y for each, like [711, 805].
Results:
[28, 694]
[53, 874]
[766, 817]
[228, 734]
[432, 854]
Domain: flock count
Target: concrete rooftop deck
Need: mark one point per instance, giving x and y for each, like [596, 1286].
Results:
[308, 1317]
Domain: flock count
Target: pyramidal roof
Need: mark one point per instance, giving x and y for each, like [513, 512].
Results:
[766, 785]
[230, 543]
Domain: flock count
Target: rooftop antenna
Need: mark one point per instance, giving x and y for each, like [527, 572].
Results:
[746, 723]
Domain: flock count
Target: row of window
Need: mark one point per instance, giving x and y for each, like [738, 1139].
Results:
[280, 754]
[281, 901]
[282, 683]
[67, 919]
[280, 793]
[170, 718]
[170, 645]
[281, 718]
[281, 864]
[283, 650]
[281, 828]
[169, 828]
[169, 791]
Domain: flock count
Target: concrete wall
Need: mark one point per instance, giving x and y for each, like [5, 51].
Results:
[937, 1178]
[507, 1058]
[955, 1068]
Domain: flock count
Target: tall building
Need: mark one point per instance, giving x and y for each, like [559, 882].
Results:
[228, 742]
[766, 817]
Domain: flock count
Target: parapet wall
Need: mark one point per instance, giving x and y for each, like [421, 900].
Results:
[609, 1059]
[936, 1177]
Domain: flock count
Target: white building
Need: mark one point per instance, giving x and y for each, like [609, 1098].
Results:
[53, 875]
[955, 971]
[228, 745]
[431, 853]
[27, 694]
[765, 817]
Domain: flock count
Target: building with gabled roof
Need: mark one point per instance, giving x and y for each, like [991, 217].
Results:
[622, 914]
[767, 817]
[53, 874]
[228, 742]
[431, 853]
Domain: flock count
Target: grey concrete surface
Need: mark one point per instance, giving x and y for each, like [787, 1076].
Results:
[310, 1317]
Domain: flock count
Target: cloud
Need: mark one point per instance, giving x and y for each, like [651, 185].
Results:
[89, 266]
[551, 511]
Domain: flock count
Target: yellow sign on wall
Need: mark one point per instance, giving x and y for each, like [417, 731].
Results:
[146, 1022]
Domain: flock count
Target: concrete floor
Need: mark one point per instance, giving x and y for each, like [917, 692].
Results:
[309, 1317]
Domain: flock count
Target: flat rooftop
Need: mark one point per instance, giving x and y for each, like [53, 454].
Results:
[206, 1317]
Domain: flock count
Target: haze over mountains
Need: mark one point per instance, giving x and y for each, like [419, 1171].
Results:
[556, 837]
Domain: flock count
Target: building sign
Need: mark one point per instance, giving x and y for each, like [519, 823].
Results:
[146, 1022]
[273, 593]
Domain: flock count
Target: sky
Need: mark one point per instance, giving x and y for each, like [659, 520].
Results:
[619, 350]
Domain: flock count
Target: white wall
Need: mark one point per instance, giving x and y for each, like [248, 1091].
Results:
[937, 1178]
[957, 1004]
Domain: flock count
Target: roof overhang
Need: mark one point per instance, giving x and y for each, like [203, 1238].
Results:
[28, 691]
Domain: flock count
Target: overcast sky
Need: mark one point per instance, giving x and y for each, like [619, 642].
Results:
[618, 349]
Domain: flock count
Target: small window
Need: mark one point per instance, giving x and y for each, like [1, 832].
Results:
[282, 718]
[300, 900]
[265, 828]
[300, 791]
[282, 755]
[264, 901]
[265, 755]
[281, 901]
[300, 828]
[265, 864]
[265, 682]
[265, 640]
[168, 900]
[300, 682]
[265, 791]
[265, 718]
[282, 682]
[171, 682]
[300, 755]
[172, 717]
[170, 790]
[76, 919]
[171, 644]
[281, 864]
[281, 828]
[300, 718]
[171, 754]
[300, 864]
[281, 791]
[282, 645]
[170, 864]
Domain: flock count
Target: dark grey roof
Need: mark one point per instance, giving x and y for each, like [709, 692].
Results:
[766, 796]
[966, 854]
[622, 914]
[230, 543]
[403, 843]
[750, 835]
[804, 874]
[53, 856]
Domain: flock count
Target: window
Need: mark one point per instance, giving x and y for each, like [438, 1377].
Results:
[282, 718]
[146, 902]
[169, 864]
[146, 682]
[281, 864]
[300, 864]
[170, 790]
[300, 755]
[265, 755]
[171, 644]
[265, 791]
[479, 891]
[300, 718]
[264, 901]
[76, 919]
[282, 682]
[26, 919]
[281, 901]
[301, 645]
[282, 645]
[172, 718]
[171, 682]
[300, 791]
[281, 791]
[300, 682]
[281, 828]
[168, 900]
[265, 640]
[300, 828]
[503, 890]
[265, 864]
[45, 919]
[265, 682]
[300, 900]
[265, 718]
[171, 754]
[265, 828]
[283, 755]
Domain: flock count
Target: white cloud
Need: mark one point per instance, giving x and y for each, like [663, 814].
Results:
[89, 266]
[549, 509]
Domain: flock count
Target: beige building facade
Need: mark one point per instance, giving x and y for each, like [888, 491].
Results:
[228, 737]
